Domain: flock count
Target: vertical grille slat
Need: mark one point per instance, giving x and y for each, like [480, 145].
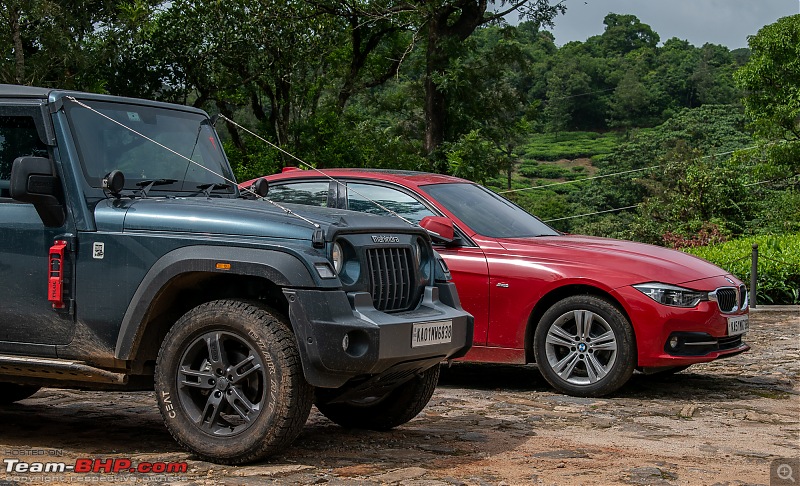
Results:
[743, 297]
[391, 278]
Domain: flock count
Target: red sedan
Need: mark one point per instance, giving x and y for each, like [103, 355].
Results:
[588, 311]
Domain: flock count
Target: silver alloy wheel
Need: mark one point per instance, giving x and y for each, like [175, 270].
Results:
[581, 347]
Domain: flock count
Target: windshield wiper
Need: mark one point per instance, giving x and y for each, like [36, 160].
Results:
[148, 184]
[213, 186]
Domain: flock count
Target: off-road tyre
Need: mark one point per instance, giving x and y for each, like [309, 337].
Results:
[229, 382]
[11, 392]
[386, 412]
[585, 346]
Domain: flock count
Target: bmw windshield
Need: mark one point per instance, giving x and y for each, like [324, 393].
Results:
[486, 213]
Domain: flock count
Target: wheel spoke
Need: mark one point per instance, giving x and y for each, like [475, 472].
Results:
[211, 412]
[216, 353]
[204, 380]
[238, 374]
[565, 367]
[605, 342]
[583, 321]
[594, 368]
[559, 337]
[246, 409]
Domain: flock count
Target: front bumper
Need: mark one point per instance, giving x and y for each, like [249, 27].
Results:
[341, 336]
[702, 330]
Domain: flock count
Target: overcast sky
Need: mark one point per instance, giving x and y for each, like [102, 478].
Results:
[726, 22]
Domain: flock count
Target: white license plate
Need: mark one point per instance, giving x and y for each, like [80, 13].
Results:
[738, 325]
[429, 333]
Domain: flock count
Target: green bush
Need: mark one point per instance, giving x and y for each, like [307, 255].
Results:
[569, 145]
[778, 264]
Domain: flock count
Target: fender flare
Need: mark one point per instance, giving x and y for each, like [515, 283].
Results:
[281, 268]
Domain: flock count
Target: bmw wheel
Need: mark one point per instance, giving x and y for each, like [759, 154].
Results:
[584, 346]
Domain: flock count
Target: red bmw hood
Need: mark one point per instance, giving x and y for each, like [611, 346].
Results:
[628, 261]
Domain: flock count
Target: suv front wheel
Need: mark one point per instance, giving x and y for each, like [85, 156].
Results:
[381, 412]
[229, 382]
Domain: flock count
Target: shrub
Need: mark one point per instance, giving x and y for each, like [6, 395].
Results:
[778, 264]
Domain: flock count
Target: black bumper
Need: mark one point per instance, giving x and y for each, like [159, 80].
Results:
[342, 336]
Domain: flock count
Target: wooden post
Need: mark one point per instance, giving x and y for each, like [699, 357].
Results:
[753, 276]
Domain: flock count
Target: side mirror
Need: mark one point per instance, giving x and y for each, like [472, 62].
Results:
[260, 187]
[33, 181]
[440, 228]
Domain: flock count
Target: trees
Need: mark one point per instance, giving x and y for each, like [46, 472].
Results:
[43, 42]
[771, 79]
[447, 23]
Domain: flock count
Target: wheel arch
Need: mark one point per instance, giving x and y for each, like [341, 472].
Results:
[190, 276]
[560, 293]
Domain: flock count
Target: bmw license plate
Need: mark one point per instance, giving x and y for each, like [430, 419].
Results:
[738, 325]
[429, 333]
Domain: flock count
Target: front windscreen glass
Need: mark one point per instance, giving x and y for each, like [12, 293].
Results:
[105, 145]
[486, 213]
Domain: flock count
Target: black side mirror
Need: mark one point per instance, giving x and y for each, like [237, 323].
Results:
[260, 187]
[33, 181]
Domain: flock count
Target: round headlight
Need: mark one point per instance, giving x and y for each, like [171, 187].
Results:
[338, 257]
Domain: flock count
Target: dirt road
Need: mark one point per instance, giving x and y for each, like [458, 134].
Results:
[718, 423]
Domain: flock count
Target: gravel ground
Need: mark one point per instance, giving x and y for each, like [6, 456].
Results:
[722, 423]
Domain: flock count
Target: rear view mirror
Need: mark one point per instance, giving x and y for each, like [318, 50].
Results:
[440, 228]
[33, 181]
[260, 187]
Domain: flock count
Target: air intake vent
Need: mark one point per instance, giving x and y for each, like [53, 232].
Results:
[726, 298]
[391, 272]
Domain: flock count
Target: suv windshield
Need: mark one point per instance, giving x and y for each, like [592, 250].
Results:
[486, 213]
[105, 146]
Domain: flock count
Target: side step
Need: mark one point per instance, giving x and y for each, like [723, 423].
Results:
[57, 370]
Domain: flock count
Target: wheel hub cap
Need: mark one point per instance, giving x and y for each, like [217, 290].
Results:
[581, 347]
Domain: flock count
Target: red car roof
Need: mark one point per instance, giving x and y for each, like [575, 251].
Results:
[408, 178]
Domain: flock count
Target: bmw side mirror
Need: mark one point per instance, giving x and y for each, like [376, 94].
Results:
[440, 228]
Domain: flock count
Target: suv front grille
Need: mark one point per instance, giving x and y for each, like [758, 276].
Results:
[391, 274]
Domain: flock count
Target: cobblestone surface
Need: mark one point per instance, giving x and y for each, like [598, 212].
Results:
[720, 423]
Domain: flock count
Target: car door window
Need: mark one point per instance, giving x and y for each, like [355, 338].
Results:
[362, 197]
[18, 138]
[308, 193]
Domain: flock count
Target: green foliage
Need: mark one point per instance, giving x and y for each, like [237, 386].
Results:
[778, 264]
[569, 145]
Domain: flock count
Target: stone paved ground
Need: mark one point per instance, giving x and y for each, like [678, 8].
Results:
[718, 423]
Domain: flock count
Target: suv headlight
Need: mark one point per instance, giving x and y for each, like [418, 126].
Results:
[337, 256]
[671, 295]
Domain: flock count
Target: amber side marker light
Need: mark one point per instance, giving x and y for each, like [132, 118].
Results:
[223, 266]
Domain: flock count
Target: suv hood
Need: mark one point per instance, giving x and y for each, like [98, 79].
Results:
[625, 262]
[237, 217]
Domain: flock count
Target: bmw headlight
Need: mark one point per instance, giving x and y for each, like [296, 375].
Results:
[671, 295]
[337, 256]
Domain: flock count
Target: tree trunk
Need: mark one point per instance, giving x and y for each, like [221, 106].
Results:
[16, 35]
[435, 101]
